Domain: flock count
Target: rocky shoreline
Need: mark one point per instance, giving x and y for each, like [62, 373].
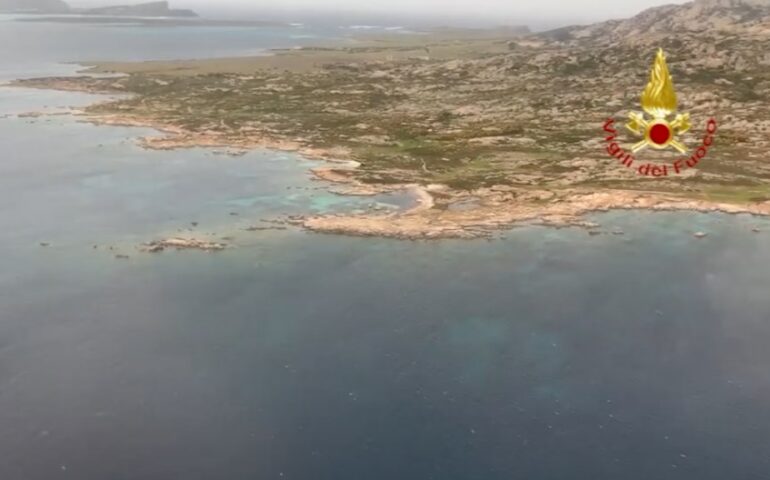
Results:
[493, 209]
[485, 139]
[498, 212]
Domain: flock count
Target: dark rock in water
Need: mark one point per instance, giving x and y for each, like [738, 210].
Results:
[45, 244]
[183, 244]
[155, 248]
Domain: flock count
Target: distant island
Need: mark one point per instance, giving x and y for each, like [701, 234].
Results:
[151, 9]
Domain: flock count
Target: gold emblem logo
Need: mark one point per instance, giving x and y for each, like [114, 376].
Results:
[659, 102]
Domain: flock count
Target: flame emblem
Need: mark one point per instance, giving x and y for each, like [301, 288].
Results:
[659, 102]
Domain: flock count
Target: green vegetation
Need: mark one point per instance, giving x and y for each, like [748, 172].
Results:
[468, 115]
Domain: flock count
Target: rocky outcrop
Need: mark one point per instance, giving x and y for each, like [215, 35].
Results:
[183, 244]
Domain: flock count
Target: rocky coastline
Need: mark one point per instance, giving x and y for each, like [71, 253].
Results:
[434, 216]
[487, 135]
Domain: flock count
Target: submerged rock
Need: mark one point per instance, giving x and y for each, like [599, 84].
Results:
[183, 244]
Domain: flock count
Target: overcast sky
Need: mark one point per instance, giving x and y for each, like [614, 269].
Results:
[495, 11]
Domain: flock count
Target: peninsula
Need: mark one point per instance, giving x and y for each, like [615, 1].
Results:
[490, 130]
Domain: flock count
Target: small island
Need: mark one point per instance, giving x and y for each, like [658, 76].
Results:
[150, 9]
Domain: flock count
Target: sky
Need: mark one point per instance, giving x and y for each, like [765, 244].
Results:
[510, 12]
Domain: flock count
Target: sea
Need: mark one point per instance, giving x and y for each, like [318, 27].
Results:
[537, 354]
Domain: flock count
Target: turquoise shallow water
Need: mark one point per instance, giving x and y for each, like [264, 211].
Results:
[67, 181]
[544, 354]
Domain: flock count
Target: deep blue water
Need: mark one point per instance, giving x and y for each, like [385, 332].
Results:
[543, 354]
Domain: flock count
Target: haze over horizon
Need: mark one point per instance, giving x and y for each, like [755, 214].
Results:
[542, 14]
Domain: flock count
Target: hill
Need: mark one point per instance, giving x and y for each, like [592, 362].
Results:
[750, 18]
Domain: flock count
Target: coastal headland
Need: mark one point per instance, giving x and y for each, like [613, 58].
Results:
[490, 129]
